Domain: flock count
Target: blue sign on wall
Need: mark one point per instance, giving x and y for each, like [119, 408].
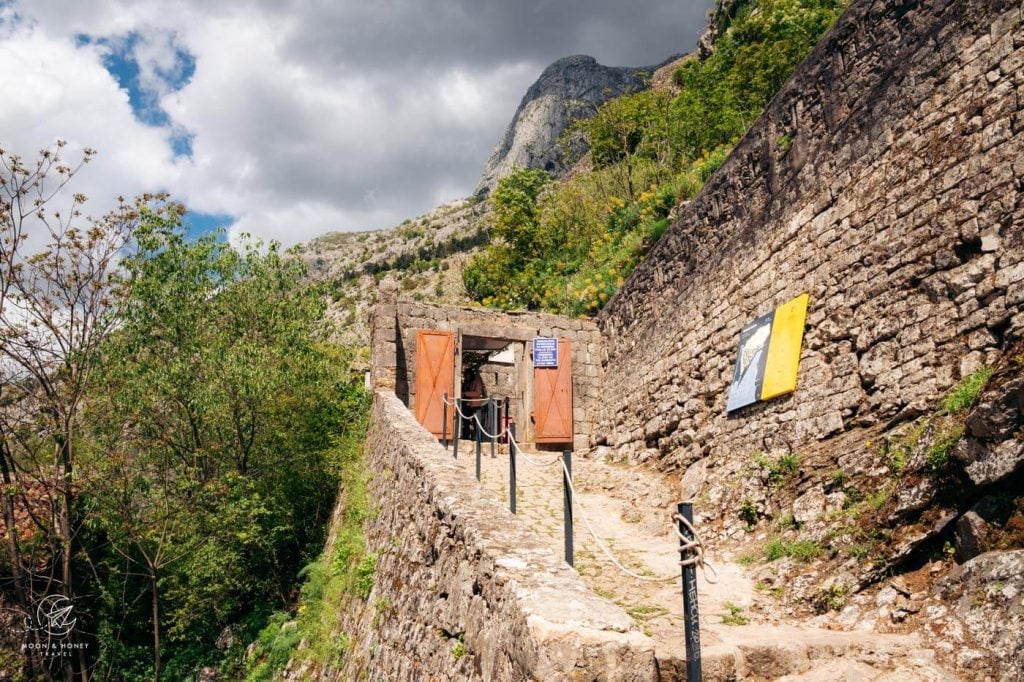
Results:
[545, 352]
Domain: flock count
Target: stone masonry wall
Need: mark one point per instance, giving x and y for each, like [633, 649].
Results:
[453, 566]
[393, 344]
[884, 180]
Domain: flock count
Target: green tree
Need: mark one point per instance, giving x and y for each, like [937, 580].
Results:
[214, 431]
[60, 295]
[516, 214]
[521, 238]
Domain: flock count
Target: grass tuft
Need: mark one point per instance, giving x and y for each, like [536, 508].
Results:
[735, 615]
[965, 394]
[801, 550]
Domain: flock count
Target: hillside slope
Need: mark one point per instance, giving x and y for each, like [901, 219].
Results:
[421, 258]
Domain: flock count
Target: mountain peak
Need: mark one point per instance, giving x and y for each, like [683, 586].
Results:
[569, 88]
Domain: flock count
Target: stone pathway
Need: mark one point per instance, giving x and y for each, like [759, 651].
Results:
[630, 509]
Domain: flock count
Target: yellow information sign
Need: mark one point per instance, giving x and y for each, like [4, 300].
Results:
[769, 354]
[784, 348]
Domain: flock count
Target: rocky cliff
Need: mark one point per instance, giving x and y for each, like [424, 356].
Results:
[573, 87]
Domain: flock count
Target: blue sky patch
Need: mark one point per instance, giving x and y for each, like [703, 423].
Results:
[120, 61]
[197, 224]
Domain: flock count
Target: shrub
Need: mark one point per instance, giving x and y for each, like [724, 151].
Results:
[748, 512]
[364, 575]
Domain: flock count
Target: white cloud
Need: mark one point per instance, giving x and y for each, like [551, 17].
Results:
[56, 90]
[306, 115]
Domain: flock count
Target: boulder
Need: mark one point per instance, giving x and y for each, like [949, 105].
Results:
[693, 481]
[1000, 417]
[996, 463]
[992, 452]
[985, 596]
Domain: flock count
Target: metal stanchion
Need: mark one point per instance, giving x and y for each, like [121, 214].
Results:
[512, 468]
[457, 429]
[477, 436]
[444, 421]
[567, 496]
[505, 418]
[690, 612]
[492, 423]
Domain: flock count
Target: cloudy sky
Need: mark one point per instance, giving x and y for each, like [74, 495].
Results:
[291, 118]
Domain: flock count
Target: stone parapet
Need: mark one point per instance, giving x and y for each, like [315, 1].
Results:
[463, 589]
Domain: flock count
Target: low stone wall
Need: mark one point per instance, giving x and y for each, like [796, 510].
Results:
[456, 567]
[885, 181]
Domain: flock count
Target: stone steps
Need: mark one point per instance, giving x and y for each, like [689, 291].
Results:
[777, 653]
[641, 538]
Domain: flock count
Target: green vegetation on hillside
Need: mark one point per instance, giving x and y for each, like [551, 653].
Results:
[567, 246]
[331, 582]
[216, 427]
[197, 419]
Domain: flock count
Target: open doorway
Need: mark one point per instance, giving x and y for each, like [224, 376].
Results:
[532, 375]
[488, 368]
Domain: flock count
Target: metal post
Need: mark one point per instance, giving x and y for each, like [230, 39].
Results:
[444, 421]
[690, 613]
[512, 468]
[505, 417]
[477, 436]
[492, 423]
[567, 497]
[457, 429]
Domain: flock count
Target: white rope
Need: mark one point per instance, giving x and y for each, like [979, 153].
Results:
[597, 539]
[521, 453]
[455, 404]
[697, 558]
[504, 432]
[695, 545]
[494, 436]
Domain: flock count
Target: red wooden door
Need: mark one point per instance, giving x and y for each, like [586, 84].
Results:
[435, 376]
[552, 398]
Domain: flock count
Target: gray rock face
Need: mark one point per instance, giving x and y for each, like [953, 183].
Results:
[970, 533]
[992, 453]
[985, 598]
[572, 87]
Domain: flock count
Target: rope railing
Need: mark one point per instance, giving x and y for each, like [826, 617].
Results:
[519, 453]
[694, 548]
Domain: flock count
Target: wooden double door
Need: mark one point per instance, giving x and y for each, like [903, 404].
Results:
[551, 390]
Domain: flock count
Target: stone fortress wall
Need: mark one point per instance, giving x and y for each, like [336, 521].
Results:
[885, 181]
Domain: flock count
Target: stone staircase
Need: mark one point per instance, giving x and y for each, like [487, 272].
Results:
[745, 634]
